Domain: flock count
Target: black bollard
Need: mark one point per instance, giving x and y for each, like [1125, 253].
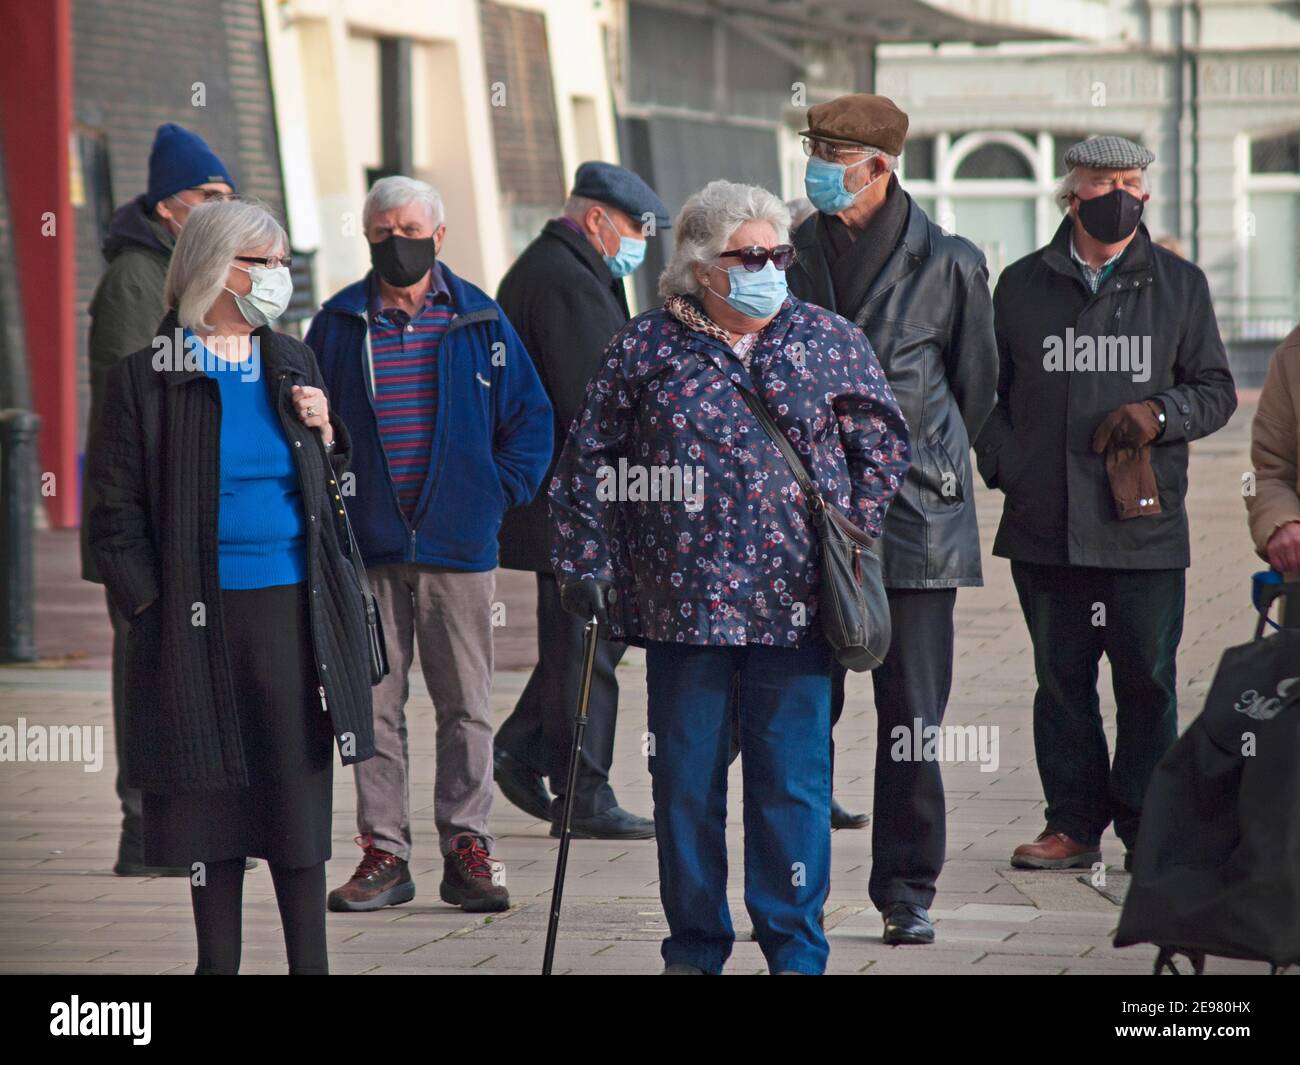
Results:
[18, 500]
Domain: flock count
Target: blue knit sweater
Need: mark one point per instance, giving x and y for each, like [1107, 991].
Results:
[261, 525]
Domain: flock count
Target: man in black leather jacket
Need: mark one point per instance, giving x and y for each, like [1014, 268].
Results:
[921, 295]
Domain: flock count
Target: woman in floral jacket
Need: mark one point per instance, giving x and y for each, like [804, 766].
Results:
[678, 524]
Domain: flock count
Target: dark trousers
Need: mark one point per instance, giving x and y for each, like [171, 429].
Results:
[130, 846]
[908, 826]
[1074, 614]
[540, 731]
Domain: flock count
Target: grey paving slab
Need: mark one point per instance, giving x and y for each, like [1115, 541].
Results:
[61, 910]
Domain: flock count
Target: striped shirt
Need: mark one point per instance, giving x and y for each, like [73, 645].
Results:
[404, 354]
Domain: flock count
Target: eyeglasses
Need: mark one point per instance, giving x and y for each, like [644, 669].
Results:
[754, 258]
[210, 195]
[831, 153]
[269, 261]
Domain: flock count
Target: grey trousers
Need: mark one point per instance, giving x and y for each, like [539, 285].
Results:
[448, 616]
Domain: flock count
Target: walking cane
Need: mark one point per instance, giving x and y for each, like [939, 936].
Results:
[589, 636]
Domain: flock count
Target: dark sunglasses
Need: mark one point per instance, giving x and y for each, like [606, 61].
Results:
[755, 258]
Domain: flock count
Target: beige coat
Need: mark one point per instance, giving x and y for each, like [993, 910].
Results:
[1275, 446]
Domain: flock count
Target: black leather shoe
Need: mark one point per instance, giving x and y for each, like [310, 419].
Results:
[906, 923]
[126, 867]
[841, 818]
[521, 785]
[614, 823]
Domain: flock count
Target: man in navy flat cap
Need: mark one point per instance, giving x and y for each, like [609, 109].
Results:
[565, 297]
[124, 316]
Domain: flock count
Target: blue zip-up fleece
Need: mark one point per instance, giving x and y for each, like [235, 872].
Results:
[492, 438]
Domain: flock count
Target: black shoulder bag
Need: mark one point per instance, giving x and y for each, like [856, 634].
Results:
[374, 625]
[854, 608]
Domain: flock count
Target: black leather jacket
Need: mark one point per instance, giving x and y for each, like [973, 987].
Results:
[929, 318]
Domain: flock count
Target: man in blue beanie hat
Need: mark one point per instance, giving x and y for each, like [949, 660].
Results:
[124, 316]
[183, 172]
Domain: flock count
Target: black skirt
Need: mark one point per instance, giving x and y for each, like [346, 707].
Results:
[284, 814]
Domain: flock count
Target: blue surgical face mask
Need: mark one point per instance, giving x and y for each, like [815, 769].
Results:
[758, 294]
[630, 252]
[824, 183]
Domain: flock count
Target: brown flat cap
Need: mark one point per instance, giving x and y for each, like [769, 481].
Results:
[874, 121]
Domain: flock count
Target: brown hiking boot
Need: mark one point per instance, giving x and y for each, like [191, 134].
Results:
[472, 879]
[1054, 850]
[382, 879]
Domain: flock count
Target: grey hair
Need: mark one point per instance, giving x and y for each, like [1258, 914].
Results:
[801, 209]
[397, 191]
[891, 161]
[577, 206]
[213, 234]
[1069, 185]
[706, 223]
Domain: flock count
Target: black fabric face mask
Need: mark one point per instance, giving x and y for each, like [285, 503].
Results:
[402, 261]
[1112, 217]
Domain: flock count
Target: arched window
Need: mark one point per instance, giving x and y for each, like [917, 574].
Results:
[997, 162]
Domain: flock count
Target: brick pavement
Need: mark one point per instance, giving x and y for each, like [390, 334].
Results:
[61, 910]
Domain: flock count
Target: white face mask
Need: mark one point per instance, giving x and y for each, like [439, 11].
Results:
[268, 297]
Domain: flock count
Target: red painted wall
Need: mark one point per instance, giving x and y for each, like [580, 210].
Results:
[36, 119]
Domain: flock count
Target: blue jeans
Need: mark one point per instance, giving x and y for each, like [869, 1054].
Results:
[784, 699]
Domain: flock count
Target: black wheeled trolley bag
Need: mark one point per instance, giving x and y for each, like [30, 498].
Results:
[1217, 862]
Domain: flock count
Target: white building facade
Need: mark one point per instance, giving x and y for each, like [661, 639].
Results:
[1213, 88]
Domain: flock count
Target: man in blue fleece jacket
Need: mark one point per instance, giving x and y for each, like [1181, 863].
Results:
[450, 428]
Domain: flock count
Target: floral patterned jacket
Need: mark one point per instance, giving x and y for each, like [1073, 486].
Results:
[669, 488]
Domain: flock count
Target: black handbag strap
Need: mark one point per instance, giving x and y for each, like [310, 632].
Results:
[817, 504]
[354, 552]
[800, 471]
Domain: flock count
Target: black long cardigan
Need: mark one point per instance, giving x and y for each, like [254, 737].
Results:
[155, 462]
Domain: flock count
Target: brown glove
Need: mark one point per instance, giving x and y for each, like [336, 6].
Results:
[1132, 482]
[1133, 425]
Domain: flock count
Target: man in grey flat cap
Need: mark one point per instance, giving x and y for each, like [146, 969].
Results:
[921, 296]
[1111, 362]
[564, 295]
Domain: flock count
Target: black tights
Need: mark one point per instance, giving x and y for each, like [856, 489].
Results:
[300, 894]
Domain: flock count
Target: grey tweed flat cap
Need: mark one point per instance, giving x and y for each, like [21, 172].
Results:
[1109, 153]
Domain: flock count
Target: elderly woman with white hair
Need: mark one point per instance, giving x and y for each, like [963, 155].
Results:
[679, 525]
[219, 530]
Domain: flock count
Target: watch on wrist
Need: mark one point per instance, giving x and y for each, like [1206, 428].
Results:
[329, 445]
[1158, 409]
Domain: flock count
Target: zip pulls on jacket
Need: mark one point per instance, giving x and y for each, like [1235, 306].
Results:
[458, 321]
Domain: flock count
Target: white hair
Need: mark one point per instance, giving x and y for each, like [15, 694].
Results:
[1069, 184]
[397, 191]
[801, 209]
[706, 223]
[891, 161]
[213, 234]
